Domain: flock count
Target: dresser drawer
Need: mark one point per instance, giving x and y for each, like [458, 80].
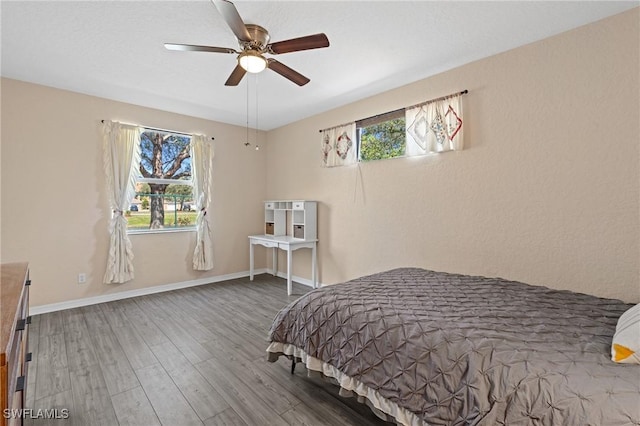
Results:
[265, 243]
[14, 297]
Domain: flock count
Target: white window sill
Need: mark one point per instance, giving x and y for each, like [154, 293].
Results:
[161, 231]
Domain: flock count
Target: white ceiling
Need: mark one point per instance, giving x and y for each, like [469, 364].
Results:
[114, 49]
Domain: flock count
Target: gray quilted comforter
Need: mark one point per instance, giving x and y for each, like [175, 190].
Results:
[455, 349]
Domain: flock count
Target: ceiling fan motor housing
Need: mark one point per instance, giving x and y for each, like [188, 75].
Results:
[254, 44]
[259, 38]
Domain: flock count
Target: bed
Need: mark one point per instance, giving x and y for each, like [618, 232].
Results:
[432, 348]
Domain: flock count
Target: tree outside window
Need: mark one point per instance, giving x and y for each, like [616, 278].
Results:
[382, 136]
[164, 182]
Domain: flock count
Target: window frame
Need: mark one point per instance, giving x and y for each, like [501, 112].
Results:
[378, 119]
[140, 179]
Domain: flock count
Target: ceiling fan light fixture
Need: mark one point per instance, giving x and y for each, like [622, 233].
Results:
[254, 43]
[252, 61]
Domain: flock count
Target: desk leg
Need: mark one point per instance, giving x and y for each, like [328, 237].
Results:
[314, 278]
[274, 263]
[289, 287]
[250, 261]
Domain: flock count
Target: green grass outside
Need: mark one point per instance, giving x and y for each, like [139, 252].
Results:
[139, 220]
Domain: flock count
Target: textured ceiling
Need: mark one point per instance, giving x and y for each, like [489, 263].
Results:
[115, 49]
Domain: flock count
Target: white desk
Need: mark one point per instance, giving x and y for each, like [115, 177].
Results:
[289, 244]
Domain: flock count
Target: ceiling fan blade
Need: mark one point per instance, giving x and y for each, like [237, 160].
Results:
[233, 19]
[236, 76]
[315, 41]
[287, 72]
[194, 48]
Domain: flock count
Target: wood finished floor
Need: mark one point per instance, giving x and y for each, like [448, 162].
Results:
[194, 356]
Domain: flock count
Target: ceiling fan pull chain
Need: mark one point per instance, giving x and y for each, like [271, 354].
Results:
[247, 141]
[256, 84]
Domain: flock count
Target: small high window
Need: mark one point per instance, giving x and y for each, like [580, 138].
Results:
[382, 136]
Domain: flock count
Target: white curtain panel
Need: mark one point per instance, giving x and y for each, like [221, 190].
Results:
[338, 146]
[201, 169]
[121, 161]
[435, 127]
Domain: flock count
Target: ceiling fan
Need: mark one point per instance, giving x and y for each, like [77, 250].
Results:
[254, 44]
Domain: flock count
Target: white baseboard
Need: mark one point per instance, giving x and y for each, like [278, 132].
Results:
[299, 280]
[77, 303]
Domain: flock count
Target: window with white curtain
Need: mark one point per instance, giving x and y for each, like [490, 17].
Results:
[164, 199]
[433, 126]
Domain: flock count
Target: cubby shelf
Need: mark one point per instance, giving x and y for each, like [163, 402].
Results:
[295, 218]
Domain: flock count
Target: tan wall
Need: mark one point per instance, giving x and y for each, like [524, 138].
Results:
[54, 207]
[546, 191]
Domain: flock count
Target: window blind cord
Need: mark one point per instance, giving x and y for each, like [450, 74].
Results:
[355, 186]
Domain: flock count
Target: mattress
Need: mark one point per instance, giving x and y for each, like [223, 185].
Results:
[432, 348]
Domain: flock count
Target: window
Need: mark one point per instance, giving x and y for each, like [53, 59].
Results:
[382, 136]
[164, 187]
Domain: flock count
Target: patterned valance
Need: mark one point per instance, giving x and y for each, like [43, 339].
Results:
[338, 146]
[434, 126]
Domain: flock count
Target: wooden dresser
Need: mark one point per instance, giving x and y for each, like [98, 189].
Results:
[14, 328]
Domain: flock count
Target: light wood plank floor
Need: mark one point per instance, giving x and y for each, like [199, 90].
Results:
[188, 357]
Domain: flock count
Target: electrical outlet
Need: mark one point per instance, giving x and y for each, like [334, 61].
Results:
[82, 278]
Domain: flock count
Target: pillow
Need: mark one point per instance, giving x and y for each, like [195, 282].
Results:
[626, 341]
